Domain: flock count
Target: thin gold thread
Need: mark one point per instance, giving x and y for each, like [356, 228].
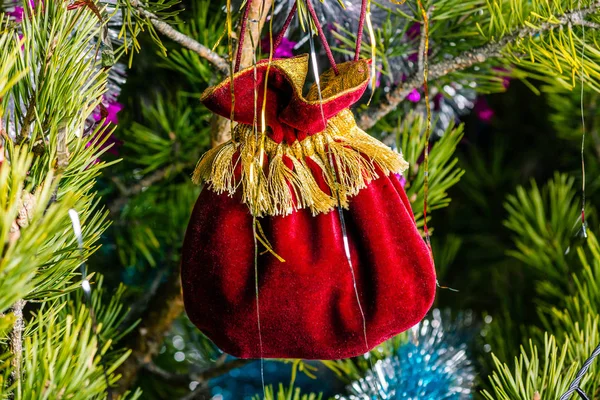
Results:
[373, 53]
[428, 126]
[231, 69]
[262, 238]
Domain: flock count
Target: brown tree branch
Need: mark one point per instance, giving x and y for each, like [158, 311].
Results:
[259, 10]
[219, 62]
[146, 340]
[367, 119]
[589, 24]
[220, 130]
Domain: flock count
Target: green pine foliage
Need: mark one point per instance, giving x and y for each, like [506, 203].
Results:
[548, 375]
[444, 171]
[290, 393]
[504, 205]
[48, 346]
[576, 325]
[206, 25]
[537, 218]
[542, 224]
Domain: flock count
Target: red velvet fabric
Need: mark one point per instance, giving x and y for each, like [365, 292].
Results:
[288, 113]
[308, 307]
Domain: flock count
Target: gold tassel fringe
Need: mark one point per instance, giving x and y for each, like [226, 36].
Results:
[280, 190]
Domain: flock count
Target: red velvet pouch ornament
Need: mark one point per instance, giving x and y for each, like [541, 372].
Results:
[311, 158]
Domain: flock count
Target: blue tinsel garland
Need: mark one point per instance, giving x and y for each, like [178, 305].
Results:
[432, 365]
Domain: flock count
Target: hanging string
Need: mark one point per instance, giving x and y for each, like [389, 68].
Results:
[230, 51]
[313, 59]
[260, 343]
[256, 228]
[575, 385]
[286, 25]
[87, 294]
[373, 53]
[322, 38]
[359, 35]
[238, 60]
[428, 126]
[340, 211]
[256, 237]
[583, 223]
[361, 27]
[349, 259]
[243, 29]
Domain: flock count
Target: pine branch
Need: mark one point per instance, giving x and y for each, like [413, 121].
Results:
[198, 394]
[367, 119]
[30, 113]
[27, 120]
[589, 24]
[219, 62]
[204, 377]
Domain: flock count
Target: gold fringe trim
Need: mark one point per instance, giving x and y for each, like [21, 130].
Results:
[281, 190]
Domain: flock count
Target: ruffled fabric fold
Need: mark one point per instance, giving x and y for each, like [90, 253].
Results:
[274, 91]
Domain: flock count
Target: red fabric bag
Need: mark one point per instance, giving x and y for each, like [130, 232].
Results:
[311, 158]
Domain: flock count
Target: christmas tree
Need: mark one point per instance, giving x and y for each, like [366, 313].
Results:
[491, 104]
